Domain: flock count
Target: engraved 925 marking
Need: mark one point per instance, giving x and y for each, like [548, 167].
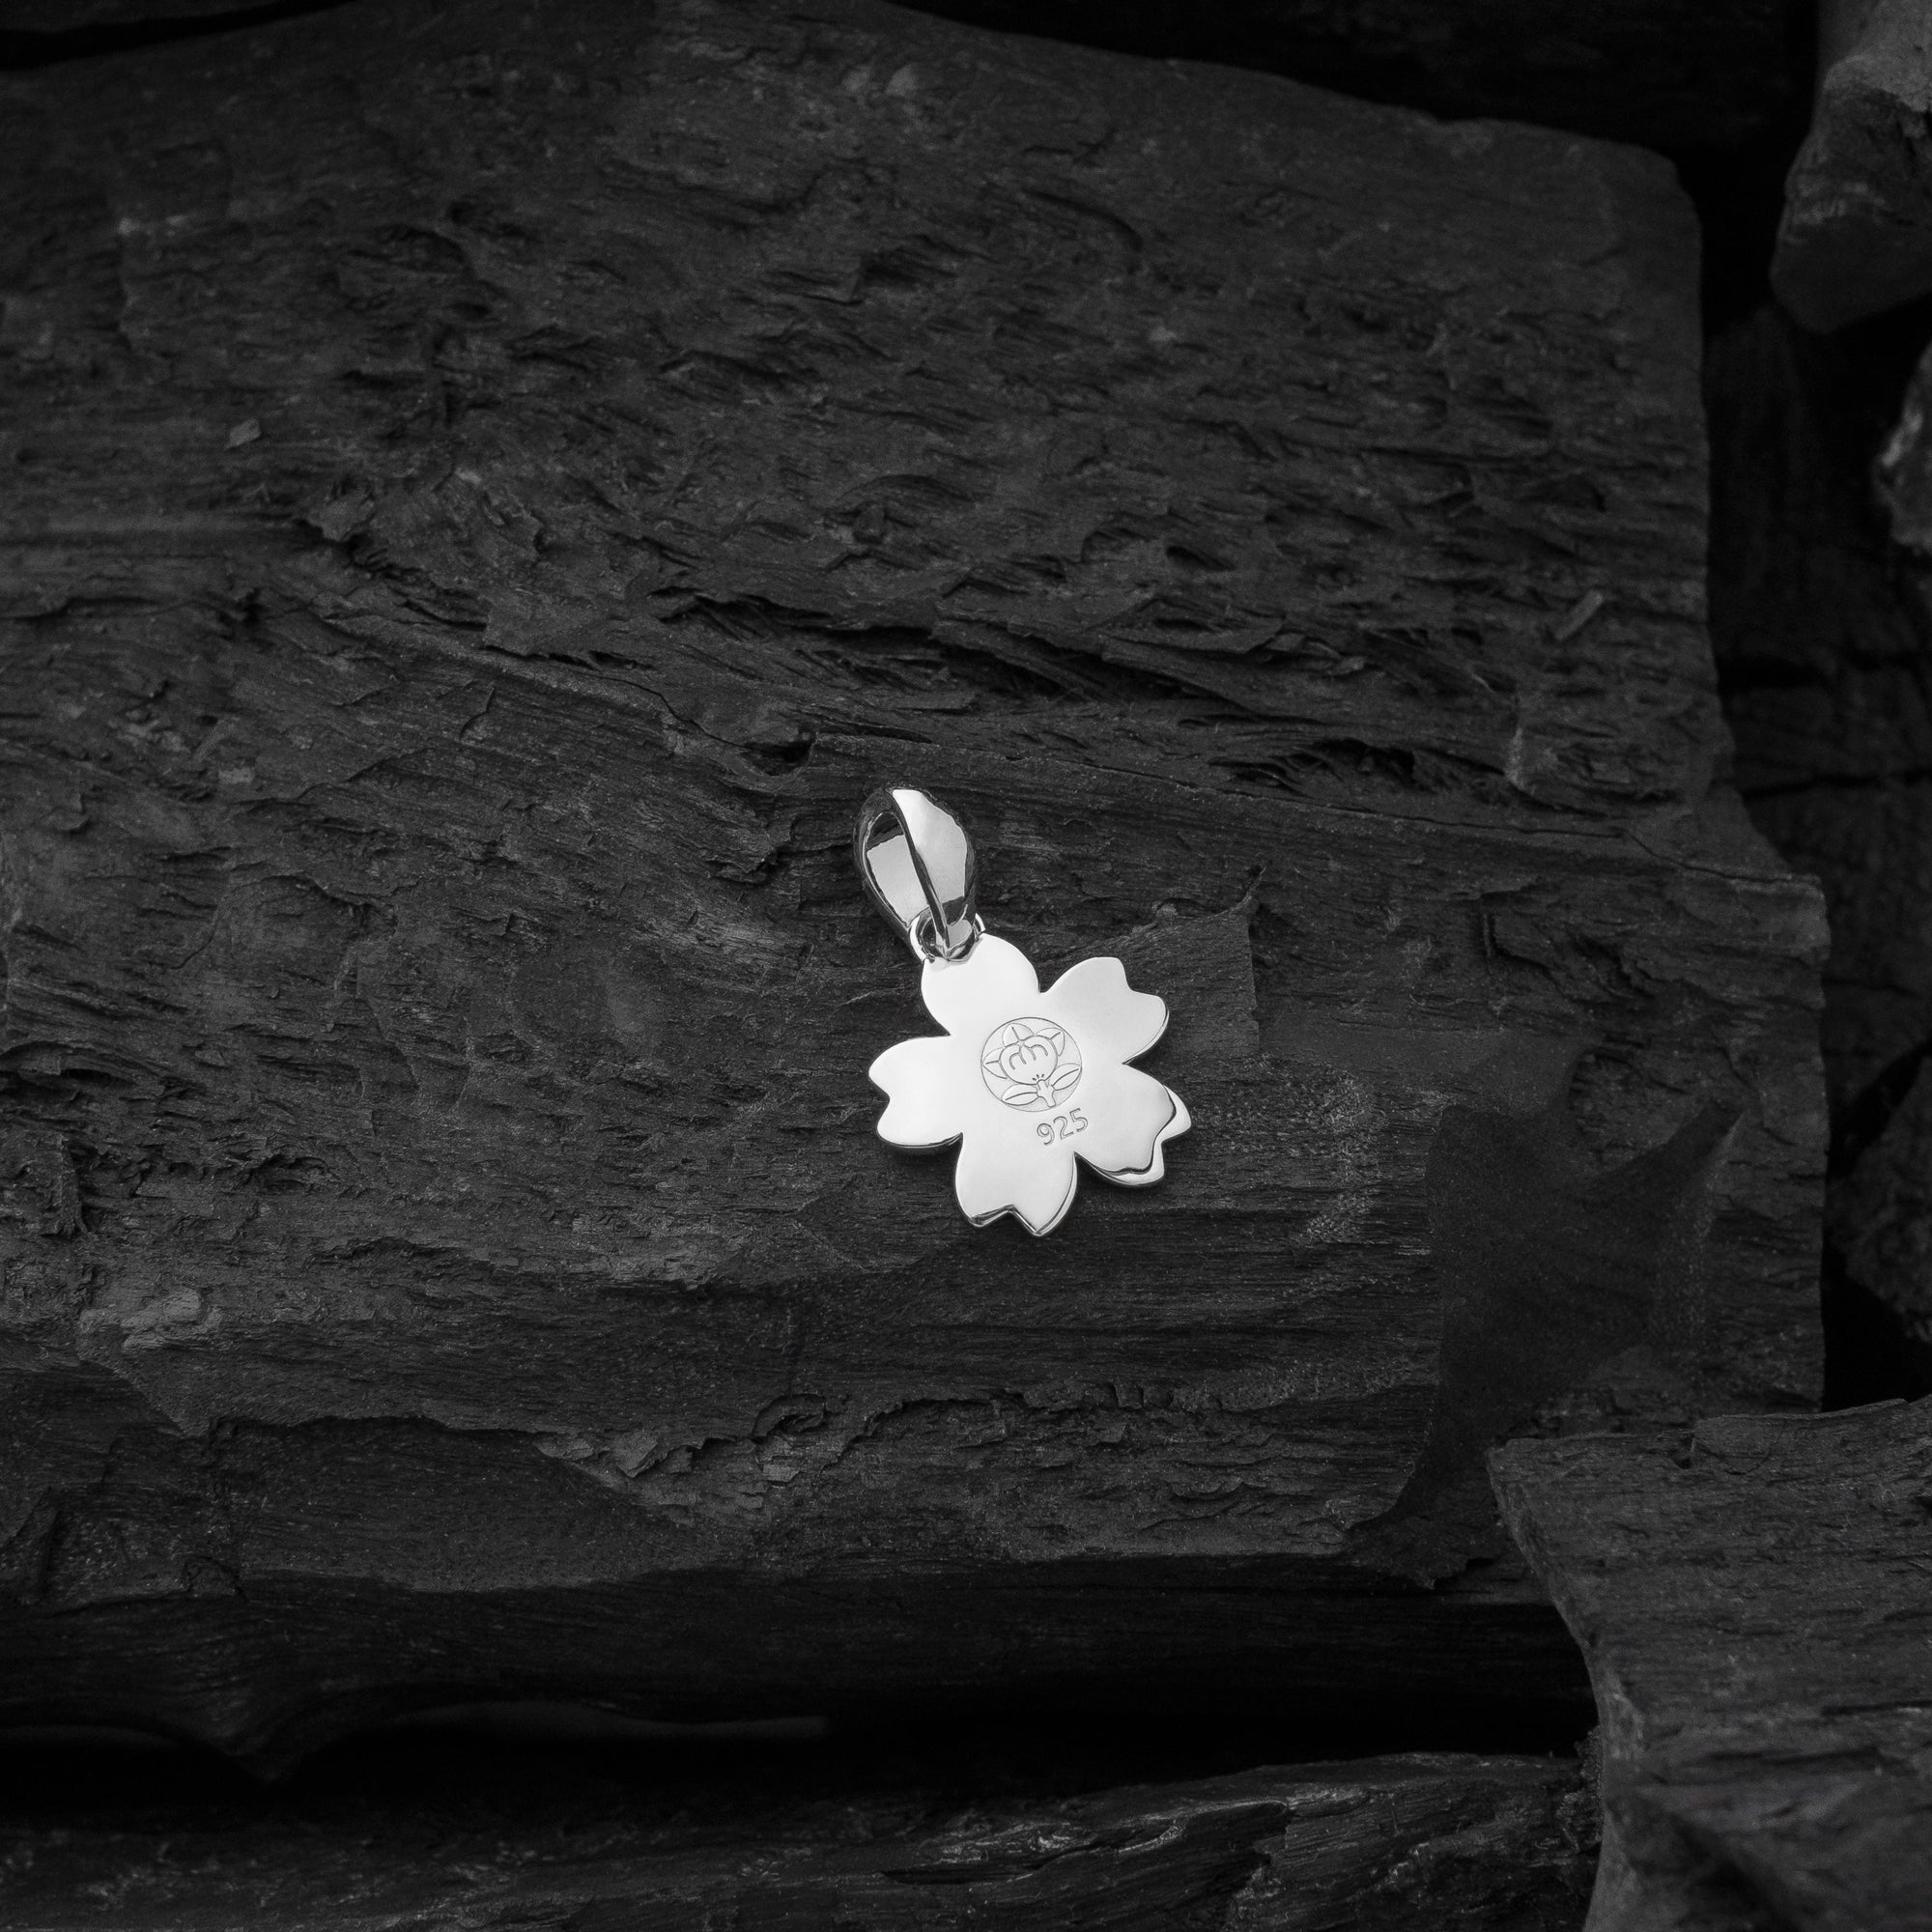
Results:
[999, 1081]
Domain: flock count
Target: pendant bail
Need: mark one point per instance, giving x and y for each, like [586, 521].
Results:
[918, 866]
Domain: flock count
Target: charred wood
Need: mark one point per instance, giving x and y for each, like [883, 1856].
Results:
[1753, 1608]
[1407, 1844]
[1857, 237]
[483, 502]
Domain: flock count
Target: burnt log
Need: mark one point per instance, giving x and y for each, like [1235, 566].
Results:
[1820, 641]
[1857, 234]
[1396, 1843]
[1753, 1607]
[483, 504]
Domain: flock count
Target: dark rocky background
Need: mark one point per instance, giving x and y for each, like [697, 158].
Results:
[486, 1435]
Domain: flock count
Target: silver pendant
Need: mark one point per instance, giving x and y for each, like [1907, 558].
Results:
[1029, 1083]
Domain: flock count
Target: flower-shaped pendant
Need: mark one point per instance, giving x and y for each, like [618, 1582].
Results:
[1029, 1083]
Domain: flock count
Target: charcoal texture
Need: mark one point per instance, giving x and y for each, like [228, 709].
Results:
[1820, 633]
[1857, 235]
[484, 501]
[1753, 1608]
[1404, 1844]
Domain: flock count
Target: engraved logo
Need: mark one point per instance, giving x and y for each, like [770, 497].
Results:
[1031, 1064]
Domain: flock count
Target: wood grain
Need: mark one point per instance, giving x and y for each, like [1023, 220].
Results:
[1753, 1607]
[483, 504]
[1397, 1843]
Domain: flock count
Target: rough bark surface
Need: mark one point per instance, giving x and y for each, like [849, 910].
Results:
[483, 503]
[1821, 647]
[1857, 235]
[1433, 1844]
[1754, 1612]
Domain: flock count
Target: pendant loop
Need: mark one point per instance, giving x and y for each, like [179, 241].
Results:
[918, 866]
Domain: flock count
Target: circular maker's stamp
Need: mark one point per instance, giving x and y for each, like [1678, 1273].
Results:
[1031, 1064]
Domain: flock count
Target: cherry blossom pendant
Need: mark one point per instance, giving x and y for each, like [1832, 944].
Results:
[1029, 1083]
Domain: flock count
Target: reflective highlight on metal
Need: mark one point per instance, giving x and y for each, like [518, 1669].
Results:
[917, 863]
[1029, 1084]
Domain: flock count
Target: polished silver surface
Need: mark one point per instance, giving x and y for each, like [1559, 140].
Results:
[1030, 1083]
[918, 866]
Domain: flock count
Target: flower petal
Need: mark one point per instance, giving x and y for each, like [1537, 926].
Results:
[994, 981]
[1109, 1019]
[1157, 1168]
[1128, 1115]
[995, 1175]
[921, 1078]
